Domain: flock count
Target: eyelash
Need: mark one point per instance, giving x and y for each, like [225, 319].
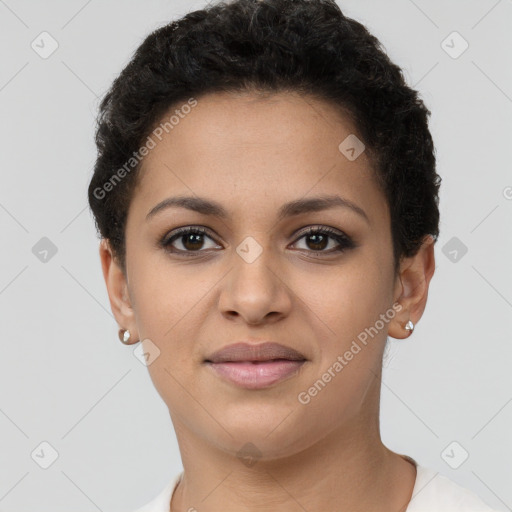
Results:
[344, 241]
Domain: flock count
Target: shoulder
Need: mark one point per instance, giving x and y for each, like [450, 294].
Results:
[161, 502]
[435, 492]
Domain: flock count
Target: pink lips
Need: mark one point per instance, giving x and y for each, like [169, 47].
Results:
[256, 366]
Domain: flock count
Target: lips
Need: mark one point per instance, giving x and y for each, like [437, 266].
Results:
[254, 353]
[255, 366]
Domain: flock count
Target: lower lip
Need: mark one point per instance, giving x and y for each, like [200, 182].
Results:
[257, 375]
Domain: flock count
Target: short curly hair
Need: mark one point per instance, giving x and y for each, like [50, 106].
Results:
[304, 46]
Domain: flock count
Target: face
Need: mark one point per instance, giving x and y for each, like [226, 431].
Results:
[256, 274]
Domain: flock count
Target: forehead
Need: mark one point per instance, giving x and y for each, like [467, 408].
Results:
[256, 151]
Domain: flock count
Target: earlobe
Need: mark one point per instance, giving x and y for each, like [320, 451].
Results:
[117, 288]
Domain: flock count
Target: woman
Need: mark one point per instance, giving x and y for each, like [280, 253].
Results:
[266, 195]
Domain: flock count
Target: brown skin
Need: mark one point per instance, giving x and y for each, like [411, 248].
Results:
[252, 155]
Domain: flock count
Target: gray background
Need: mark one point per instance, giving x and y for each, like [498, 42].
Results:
[65, 378]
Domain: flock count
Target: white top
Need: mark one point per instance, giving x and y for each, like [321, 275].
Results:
[432, 492]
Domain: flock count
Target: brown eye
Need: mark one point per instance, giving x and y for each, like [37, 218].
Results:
[318, 239]
[189, 239]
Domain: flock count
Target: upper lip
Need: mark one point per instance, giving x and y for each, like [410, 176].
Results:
[249, 352]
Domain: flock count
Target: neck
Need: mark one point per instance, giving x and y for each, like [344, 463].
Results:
[349, 469]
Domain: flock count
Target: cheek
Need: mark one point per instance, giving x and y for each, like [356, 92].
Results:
[350, 304]
[348, 300]
[165, 294]
[169, 308]
[350, 354]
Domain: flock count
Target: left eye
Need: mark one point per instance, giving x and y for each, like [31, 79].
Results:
[319, 239]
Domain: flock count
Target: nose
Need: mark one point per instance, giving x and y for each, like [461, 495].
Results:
[255, 292]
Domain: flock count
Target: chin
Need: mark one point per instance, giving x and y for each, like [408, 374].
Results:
[275, 435]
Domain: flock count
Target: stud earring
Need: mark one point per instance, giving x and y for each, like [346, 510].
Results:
[409, 326]
[124, 336]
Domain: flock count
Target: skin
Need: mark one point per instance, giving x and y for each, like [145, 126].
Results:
[252, 154]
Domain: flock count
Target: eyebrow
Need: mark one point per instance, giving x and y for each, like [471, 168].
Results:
[209, 207]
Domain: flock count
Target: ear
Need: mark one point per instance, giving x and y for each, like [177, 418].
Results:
[411, 289]
[117, 288]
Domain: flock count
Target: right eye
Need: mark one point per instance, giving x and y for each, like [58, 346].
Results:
[190, 238]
